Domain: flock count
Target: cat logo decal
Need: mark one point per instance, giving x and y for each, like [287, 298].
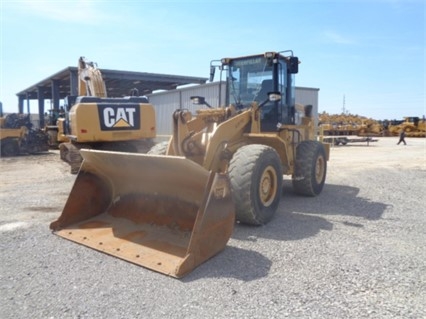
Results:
[119, 117]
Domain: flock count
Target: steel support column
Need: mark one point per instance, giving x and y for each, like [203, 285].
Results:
[40, 96]
[21, 99]
[73, 82]
[55, 94]
[28, 103]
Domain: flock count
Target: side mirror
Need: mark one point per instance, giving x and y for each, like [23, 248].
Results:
[212, 71]
[293, 65]
[274, 96]
[199, 100]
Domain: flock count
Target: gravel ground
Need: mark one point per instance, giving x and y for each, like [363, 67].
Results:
[355, 251]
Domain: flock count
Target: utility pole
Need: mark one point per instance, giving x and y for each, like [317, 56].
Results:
[343, 109]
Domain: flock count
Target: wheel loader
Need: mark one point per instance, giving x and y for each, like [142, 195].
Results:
[413, 126]
[174, 208]
[91, 120]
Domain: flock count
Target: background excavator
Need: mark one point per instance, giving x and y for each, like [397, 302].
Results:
[91, 120]
[18, 136]
[175, 207]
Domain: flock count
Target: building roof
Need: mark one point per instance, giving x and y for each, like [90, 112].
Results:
[118, 83]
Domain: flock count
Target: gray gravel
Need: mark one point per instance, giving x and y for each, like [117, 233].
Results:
[355, 251]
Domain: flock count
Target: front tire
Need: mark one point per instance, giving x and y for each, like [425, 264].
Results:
[255, 173]
[310, 168]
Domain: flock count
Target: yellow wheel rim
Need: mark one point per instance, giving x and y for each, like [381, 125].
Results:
[319, 169]
[268, 186]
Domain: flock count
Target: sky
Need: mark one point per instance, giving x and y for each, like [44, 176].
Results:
[367, 57]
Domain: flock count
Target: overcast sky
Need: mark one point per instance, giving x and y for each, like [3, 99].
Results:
[370, 52]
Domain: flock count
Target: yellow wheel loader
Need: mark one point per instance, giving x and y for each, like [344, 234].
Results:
[413, 126]
[175, 207]
[91, 120]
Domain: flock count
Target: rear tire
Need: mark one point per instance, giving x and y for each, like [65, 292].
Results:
[255, 173]
[310, 168]
[9, 148]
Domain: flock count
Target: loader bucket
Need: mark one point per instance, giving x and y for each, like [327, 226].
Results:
[165, 213]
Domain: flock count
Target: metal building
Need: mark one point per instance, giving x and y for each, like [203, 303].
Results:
[118, 83]
[308, 96]
[165, 103]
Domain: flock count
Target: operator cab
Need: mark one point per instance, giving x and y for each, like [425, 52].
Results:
[251, 78]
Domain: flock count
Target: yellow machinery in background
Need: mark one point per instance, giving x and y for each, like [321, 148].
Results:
[17, 135]
[94, 121]
[348, 124]
[412, 126]
[175, 207]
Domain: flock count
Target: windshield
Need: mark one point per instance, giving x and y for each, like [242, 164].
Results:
[245, 79]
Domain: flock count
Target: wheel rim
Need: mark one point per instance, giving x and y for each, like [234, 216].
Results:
[319, 169]
[268, 186]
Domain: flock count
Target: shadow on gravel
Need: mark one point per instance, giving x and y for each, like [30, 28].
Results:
[297, 218]
[343, 200]
[44, 209]
[233, 262]
[301, 217]
[25, 157]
